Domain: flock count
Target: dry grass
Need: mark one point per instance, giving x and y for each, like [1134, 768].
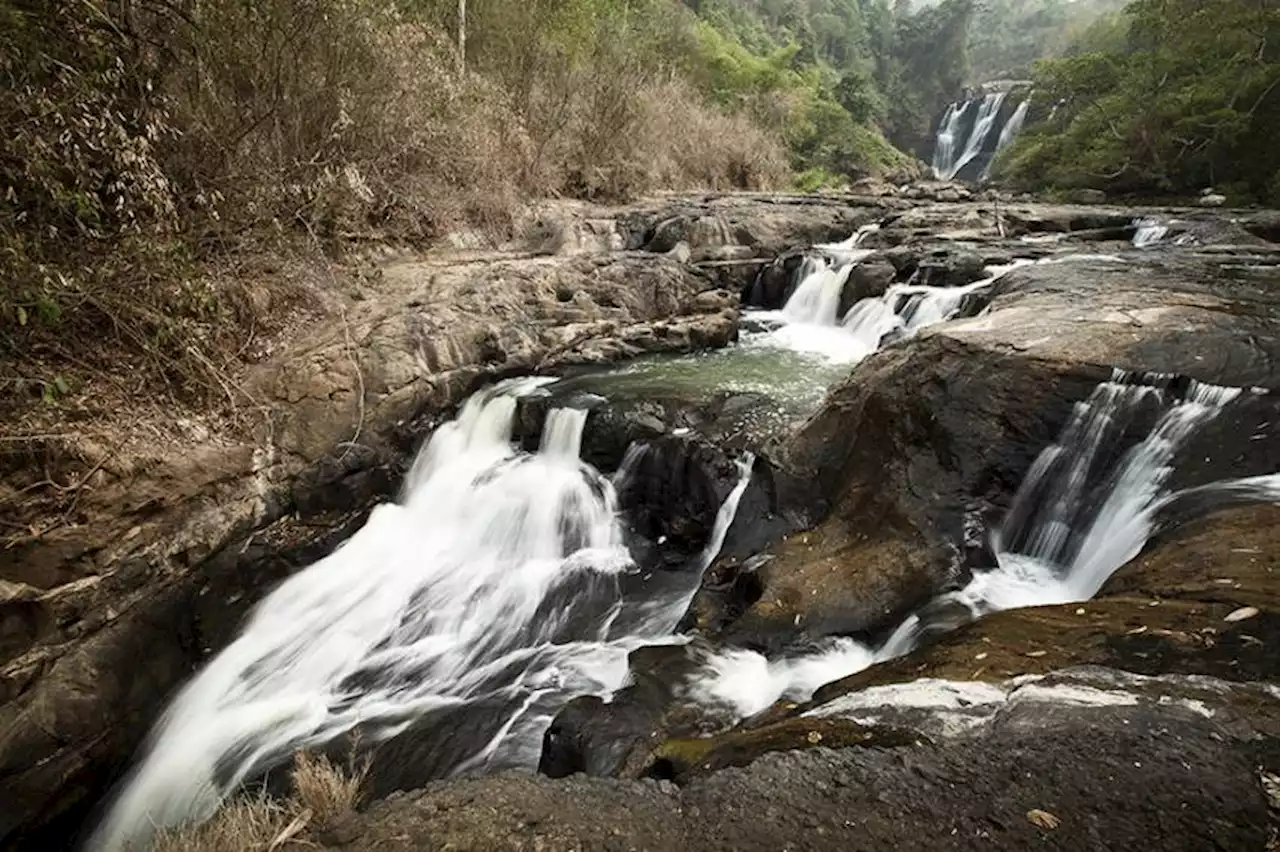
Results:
[331, 793]
[325, 795]
[242, 825]
[140, 201]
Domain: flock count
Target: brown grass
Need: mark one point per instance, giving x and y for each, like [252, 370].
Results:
[154, 211]
[325, 795]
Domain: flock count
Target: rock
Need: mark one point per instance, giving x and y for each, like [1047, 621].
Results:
[1111, 765]
[868, 279]
[775, 282]
[874, 187]
[169, 558]
[767, 223]
[1197, 575]
[954, 269]
[1212, 199]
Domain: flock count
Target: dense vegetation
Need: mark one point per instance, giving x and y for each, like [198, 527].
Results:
[1169, 97]
[156, 147]
[1007, 37]
[163, 154]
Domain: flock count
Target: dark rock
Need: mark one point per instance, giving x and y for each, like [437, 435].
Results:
[868, 279]
[775, 282]
[1132, 774]
[956, 269]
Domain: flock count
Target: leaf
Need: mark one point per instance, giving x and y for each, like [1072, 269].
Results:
[1043, 819]
[22, 315]
[61, 385]
[1242, 614]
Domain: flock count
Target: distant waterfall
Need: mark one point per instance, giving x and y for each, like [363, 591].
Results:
[947, 163]
[1008, 133]
[944, 151]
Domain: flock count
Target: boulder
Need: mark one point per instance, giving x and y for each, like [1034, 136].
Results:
[869, 279]
[951, 269]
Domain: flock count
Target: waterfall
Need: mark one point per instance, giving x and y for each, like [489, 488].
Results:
[1078, 516]
[905, 309]
[946, 163]
[1008, 133]
[1148, 231]
[944, 149]
[816, 300]
[988, 112]
[492, 589]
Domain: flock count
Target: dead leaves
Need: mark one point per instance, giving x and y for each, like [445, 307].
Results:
[1043, 819]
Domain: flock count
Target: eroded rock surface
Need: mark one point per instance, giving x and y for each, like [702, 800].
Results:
[104, 618]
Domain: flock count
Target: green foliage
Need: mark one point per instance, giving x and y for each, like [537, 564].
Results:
[925, 70]
[1007, 37]
[1183, 95]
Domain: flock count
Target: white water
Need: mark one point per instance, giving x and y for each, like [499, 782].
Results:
[1008, 133]
[1150, 231]
[812, 322]
[945, 164]
[905, 309]
[1070, 527]
[944, 149]
[495, 582]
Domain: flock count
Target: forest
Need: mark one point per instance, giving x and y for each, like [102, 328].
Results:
[1167, 98]
[158, 149]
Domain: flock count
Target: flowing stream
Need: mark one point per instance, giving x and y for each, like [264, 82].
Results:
[1075, 520]
[497, 585]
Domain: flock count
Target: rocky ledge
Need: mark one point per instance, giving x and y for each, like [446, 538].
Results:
[1138, 719]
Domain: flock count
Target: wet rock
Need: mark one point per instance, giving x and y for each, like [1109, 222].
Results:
[171, 555]
[955, 269]
[775, 282]
[1124, 772]
[868, 279]
[1162, 614]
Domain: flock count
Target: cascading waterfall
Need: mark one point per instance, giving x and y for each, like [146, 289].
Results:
[816, 300]
[987, 115]
[944, 148]
[496, 582]
[946, 165]
[1008, 133]
[905, 309]
[901, 311]
[1070, 527]
[1148, 231]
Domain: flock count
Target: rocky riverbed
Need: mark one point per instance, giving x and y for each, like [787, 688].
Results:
[1144, 717]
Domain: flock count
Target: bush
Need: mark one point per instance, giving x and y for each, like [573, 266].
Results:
[155, 147]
